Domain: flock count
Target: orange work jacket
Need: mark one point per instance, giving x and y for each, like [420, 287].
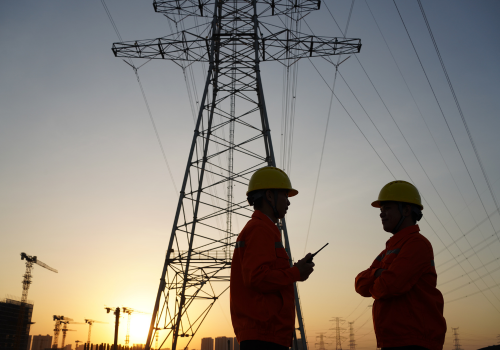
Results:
[261, 288]
[408, 308]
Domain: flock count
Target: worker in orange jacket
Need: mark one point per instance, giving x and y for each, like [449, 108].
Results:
[261, 289]
[408, 308]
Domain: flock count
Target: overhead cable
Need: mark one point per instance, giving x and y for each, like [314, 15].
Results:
[326, 128]
[420, 166]
[422, 117]
[143, 95]
[442, 113]
[459, 108]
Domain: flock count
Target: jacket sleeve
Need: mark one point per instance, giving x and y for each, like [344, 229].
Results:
[414, 258]
[258, 263]
[364, 280]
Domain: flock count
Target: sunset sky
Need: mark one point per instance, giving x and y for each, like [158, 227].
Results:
[85, 188]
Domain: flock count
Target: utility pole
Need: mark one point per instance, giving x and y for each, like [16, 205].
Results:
[456, 340]
[352, 343]
[116, 312]
[234, 43]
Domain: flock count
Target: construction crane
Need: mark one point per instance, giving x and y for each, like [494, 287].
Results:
[116, 312]
[30, 260]
[129, 311]
[76, 344]
[90, 323]
[65, 330]
[57, 329]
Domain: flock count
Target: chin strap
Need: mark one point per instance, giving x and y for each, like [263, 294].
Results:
[396, 228]
[273, 206]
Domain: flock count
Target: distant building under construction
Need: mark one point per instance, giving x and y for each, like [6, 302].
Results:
[41, 342]
[15, 322]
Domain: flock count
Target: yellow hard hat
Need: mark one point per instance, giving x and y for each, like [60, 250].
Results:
[399, 191]
[271, 177]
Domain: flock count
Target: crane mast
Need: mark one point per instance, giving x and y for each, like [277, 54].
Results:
[60, 320]
[90, 323]
[30, 260]
[129, 311]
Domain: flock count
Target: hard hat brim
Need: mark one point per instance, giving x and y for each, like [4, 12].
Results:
[291, 191]
[376, 204]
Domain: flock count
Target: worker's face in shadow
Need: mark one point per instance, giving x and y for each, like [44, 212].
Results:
[282, 203]
[389, 213]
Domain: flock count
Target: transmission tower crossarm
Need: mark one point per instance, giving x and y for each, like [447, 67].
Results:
[201, 7]
[283, 45]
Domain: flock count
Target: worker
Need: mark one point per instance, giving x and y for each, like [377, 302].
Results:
[261, 288]
[408, 308]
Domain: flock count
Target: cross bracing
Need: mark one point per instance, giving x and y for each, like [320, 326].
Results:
[231, 140]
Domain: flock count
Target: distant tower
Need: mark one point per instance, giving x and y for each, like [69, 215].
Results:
[352, 343]
[321, 342]
[338, 338]
[456, 341]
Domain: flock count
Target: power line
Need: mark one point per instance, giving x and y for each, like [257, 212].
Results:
[143, 95]
[326, 127]
[362, 300]
[421, 168]
[422, 117]
[459, 108]
[469, 295]
[468, 283]
[439, 105]
[446, 247]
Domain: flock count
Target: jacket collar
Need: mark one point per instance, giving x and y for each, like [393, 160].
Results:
[257, 214]
[399, 236]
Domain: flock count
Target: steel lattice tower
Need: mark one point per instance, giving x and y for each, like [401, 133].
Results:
[352, 342]
[231, 140]
[456, 340]
[338, 338]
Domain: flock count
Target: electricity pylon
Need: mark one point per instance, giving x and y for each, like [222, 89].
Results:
[352, 342]
[231, 140]
[456, 340]
[321, 344]
[338, 338]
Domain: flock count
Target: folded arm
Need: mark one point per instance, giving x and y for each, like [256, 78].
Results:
[413, 259]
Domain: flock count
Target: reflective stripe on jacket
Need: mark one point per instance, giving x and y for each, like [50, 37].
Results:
[261, 289]
[408, 308]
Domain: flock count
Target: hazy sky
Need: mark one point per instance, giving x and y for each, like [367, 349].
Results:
[84, 186]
